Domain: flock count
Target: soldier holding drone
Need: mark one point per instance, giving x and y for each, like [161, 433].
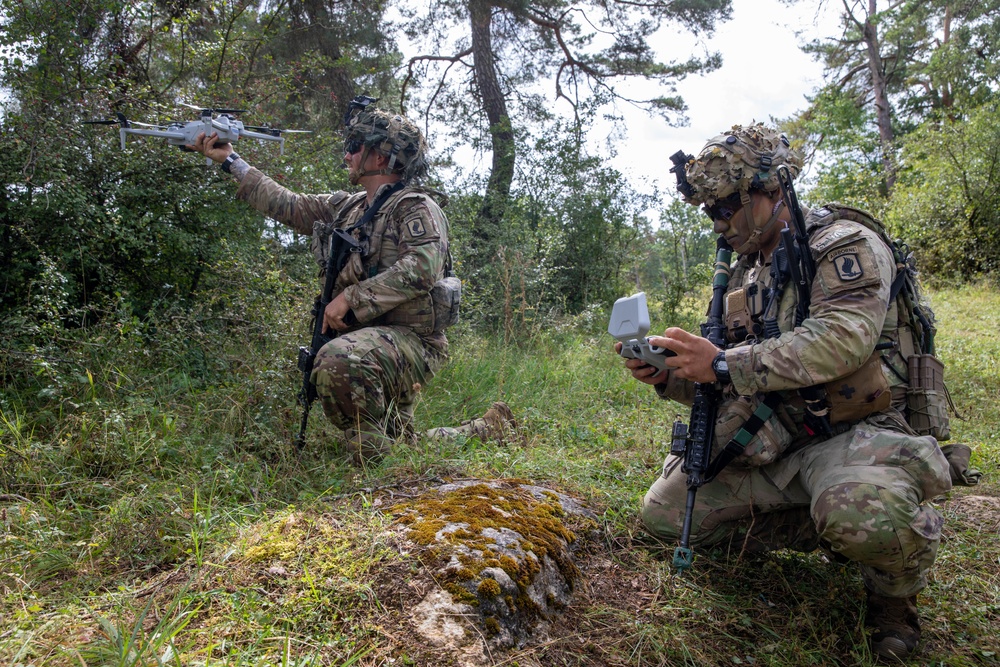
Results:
[390, 302]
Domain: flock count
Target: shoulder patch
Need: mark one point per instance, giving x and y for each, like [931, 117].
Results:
[416, 227]
[832, 236]
[847, 263]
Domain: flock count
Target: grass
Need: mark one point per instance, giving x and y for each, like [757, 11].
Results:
[152, 511]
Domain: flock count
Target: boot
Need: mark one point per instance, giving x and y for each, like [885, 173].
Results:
[497, 425]
[897, 626]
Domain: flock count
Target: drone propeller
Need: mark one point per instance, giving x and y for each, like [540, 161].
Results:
[203, 109]
[135, 122]
[274, 131]
[122, 120]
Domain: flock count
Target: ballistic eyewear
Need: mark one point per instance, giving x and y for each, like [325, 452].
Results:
[352, 146]
[724, 209]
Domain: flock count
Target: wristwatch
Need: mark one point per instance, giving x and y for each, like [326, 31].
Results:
[721, 368]
[228, 162]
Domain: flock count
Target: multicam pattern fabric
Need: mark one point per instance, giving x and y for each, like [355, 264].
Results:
[372, 369]
[863, 491]
[371, 375]
[735, 160]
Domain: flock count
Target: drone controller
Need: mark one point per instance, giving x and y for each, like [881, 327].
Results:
[629, 325]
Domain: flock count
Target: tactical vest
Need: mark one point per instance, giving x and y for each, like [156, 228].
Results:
[419, 313]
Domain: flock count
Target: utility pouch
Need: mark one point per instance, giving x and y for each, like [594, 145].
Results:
[319, 243]
[958, 456]
[927, 397]
[864, 392]
[446, 297]
[768, 443]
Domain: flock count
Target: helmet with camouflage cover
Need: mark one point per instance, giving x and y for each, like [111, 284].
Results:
[742, 160]
[392, 135]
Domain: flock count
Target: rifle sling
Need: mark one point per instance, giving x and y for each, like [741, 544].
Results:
[376, 205]
[739, 442]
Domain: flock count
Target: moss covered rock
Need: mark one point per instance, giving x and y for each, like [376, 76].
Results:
[503, 550]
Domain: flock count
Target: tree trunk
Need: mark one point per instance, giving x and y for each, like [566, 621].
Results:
[881, 98]
[501, 134]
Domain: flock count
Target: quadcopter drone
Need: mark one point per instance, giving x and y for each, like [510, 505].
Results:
[183, 134]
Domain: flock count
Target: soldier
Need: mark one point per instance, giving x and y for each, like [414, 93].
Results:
[860, 489]
[390, 340]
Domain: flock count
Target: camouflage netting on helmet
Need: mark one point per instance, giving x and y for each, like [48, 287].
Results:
[392, 135]
[742, 159]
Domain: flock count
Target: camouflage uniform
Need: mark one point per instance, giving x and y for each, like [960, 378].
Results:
[861, 494]
[367, 377]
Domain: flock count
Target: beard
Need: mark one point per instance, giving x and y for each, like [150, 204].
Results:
[353, 175]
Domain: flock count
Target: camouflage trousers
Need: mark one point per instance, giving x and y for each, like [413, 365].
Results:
[861, 494]
[367, 379]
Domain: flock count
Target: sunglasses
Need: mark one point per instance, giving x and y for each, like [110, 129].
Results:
[724, 209]
[352, 146]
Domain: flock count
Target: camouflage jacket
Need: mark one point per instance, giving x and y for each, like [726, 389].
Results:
[405, 247]
[849, 312]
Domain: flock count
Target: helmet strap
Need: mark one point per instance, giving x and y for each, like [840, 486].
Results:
[364, 158]
[751, 243]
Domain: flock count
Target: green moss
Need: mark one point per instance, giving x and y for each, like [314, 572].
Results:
[461, 594]
[492, 626]
[489, 588]
[476, 508]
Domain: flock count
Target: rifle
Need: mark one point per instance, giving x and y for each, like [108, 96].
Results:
[694, 440]
[342, 244]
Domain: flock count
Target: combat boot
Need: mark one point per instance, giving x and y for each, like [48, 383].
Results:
[497, 425]
[897, 626]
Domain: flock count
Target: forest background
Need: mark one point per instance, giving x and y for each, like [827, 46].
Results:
[150, 321]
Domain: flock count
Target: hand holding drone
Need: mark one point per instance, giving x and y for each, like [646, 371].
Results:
[222, 123]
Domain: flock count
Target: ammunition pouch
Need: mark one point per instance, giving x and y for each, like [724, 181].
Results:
[319, 242]
[927, 397]
[446, 297]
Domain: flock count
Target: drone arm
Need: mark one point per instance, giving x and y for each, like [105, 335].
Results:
[261, 135]
[267, 137]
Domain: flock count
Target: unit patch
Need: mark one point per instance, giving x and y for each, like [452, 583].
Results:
[416, 227]
[847, 264]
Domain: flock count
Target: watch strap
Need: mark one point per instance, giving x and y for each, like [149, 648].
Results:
[721, 368]
[228, 162]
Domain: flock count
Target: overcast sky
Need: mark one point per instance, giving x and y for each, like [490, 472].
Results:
[764, 75]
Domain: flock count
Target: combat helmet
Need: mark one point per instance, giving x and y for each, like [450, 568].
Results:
[743, 159]
[735, 164]
[390, 134]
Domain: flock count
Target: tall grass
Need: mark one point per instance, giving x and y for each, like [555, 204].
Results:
[152, 510]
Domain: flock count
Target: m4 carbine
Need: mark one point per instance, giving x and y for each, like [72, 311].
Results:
[342, 245]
